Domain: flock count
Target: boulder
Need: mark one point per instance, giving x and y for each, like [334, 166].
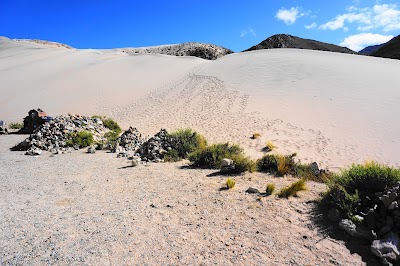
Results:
[387, 248]
[251, 190]
[354, 230]
[226, 162]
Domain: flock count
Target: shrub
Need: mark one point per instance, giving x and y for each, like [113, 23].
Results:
[211, 156]
[111, 137]
[184, 141]
[268, 163]
[270, 189]
[292, 190]
[243, 164]
[230, 183]
[16, 125]
[256, 135]
[270, 146]
[346, 188]
[82, 139]
[112, 125]
[306, 172]
[283, 165]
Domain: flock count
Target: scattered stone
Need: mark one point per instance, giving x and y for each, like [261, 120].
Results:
[91, 150]
[135, 161]
[314, 167]
[53, 134]
[33, 151]
[227, 169]
[251, 190]
[354, 230]
[387, 248]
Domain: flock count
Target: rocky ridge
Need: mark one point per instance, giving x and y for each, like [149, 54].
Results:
[289, 41]
[201, 50]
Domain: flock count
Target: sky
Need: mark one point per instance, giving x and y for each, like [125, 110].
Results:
[234, 24]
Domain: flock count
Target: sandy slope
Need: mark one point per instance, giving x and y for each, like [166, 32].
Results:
[332, 108]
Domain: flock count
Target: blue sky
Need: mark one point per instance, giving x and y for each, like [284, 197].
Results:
[235, 24]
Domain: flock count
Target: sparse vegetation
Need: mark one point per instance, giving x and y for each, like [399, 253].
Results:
[268, 164]
[15, 125]
[211, 156]
[111, 137]
[185, 141]
[292, 190]
[243, 164]
[361, 180]
[112, 125]
[82, 139]
[270, 189]
[230, 183]
[269, 146]
[255, 135]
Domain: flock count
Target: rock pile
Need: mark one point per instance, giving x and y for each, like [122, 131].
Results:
[52, 136]
[380, 219]
[130, 140]
[155, 147]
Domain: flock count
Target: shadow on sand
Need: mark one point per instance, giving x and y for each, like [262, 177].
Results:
[319, 214]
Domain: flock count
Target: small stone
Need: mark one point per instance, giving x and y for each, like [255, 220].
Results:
[226, 162]
[251, 190]
[353, 230]
[91, 150]
[387, 248]
[135, 162]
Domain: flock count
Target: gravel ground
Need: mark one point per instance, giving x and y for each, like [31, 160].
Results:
[92, 209]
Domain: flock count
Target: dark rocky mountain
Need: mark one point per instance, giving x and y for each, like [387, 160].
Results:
[289, 41]
[370, 49]
[391, 49]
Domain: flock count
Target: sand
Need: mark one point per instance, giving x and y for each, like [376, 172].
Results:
[91, 209]
[83, 209]
[335, 109]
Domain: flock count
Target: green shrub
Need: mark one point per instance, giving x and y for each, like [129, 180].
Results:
[112, 125]
[111, 137]
[306, 172]
[230, 183]
[269, 189]
[16, 125]
[292, 190]
[346, 187]
[211, 156]
[243, 164]
[268, 163]
[82, 139]
[184, 142]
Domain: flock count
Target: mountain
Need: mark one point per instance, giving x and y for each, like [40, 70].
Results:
[391, 49]
[289, 41]
[201, 50]
[370, 49]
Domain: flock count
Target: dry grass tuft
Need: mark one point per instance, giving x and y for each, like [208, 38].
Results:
[230, 183]
[292, 190]
[255, 135]
[269, 146]
[270, 189]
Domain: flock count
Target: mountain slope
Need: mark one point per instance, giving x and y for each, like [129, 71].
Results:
[289, 41]
[370, 49]
[391, 49]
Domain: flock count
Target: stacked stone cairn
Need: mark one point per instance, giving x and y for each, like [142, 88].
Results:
[154, 149]
[379, 222]
[129, 142]
[52, 136]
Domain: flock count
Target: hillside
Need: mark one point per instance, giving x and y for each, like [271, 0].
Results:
[289, 41]
[391, 49]
[370, 49]
[201, 50]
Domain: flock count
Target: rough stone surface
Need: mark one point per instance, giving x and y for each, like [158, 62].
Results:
[226, 162]
[251, 190]
[387, 248]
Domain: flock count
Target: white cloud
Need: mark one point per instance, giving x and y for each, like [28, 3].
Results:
[359, 41]
[311, 26]
[289, 16]
[385, 17]
[249, 31]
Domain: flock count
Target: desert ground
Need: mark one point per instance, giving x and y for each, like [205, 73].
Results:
[91, 209]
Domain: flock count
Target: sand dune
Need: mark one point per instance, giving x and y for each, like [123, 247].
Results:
[332, 108]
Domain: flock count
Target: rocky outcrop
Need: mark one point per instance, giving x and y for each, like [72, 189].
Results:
[201, 50]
